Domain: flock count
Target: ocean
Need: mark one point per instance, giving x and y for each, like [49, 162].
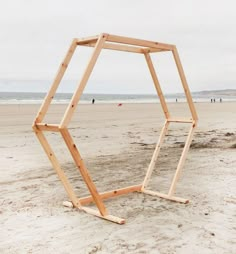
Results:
[61, 98]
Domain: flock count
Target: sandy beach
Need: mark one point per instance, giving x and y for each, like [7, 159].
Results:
[116, 144]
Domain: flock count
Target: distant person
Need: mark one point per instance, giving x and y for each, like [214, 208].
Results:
[214, 100]
[220, 100]
[211, 100]
[176, 100]
[93, 101]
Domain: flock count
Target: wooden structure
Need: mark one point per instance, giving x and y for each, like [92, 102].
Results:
[112, 42]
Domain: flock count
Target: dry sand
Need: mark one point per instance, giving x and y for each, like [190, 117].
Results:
[117, 144]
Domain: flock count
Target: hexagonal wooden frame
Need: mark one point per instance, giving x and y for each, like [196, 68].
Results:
[113, 42]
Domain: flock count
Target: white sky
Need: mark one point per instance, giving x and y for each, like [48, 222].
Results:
[35, 35]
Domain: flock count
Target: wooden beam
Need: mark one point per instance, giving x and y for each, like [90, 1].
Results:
[165, 196]
[138, 42]
[76, 97]
[185, 84]
[118, 47]
[125, 48]
[105, 217]
[86, 40]
[180, 120]
[155, 155]
[83, 170]
[121, 47]
[55, 164]
[181, 161]
[153, 50]
[60, 73]
[47, 127]
[157, 85]
[111, 194]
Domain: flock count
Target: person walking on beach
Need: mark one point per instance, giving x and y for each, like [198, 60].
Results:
[93, 101]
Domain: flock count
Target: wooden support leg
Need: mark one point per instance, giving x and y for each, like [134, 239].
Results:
[170, 194]
[157, 85]
[48, 150]
[48, 99]
[75, 201]
[181, 161]
[83, 170]
[184, 83]
[155, 155]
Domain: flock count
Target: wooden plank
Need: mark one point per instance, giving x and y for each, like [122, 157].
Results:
[105, 217]
[181, 161]
[131, 49]
[86, 40]
[153, 50]
[48, 99]
[165, 196]
[47, 127]
[155, 155]
[83, 170]
[157, 85]
[110, 194]
[55, 164]
[76, 97]
[125, 48]
[138, 42]
[180, 120]
[185, 84]
[118, 47]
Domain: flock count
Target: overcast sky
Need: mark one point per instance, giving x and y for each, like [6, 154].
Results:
[35, 35]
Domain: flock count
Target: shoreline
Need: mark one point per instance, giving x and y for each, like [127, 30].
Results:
[117, 102]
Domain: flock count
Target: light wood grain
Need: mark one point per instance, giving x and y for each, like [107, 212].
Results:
[52, 157]
[111, 194]
[50, 95]
[83, 170]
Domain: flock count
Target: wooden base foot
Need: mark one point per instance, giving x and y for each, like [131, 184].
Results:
[165, 196]
[68, 204]
[95, 213]
[105, 217]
